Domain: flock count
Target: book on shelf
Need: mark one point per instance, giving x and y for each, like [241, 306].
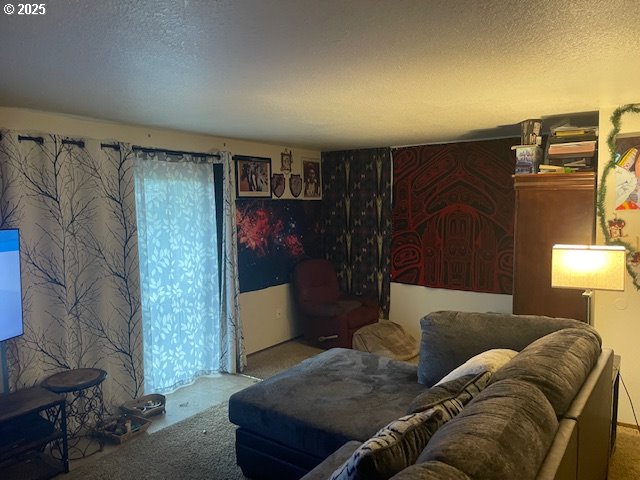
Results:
[573, 163]
[569, 131]
[576, 149]
[553, 140]
[551, 169]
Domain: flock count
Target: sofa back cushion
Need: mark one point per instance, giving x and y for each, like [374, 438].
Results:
[503, 434]
[431, 471]
[315, 282]
[450, 338]
[557, 364]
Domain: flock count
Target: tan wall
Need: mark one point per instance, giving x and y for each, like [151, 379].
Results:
[409, 303]
[617, 314]
[266, 315]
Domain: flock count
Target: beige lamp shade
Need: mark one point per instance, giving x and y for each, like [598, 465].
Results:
[588, 267]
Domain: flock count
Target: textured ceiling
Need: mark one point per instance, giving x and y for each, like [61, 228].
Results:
[325, 74]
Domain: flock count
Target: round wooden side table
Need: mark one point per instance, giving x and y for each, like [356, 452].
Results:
[82, 388]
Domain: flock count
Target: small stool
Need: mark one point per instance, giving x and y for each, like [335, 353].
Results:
[85, 407]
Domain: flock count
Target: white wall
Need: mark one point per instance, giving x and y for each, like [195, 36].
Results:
[617, 314]
[269, 317]
[409, 303]
[263, 326]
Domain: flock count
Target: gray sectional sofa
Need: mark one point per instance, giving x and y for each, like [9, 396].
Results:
[545, 414]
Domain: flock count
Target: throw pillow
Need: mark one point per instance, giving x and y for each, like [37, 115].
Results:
[452, 396]
[490, 361]
[393, 448]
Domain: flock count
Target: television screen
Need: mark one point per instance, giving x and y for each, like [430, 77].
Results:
[10, 285]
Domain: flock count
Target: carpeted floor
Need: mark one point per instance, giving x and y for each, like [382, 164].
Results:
[202, 446]
[625, 462]
[184, 451]
[267, 363]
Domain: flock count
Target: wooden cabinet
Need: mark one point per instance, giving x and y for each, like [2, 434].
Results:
[550, 209]
[33, 425]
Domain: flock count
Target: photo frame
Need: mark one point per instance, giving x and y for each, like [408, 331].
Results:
[286, 158]
[311, 179]
[253, 177]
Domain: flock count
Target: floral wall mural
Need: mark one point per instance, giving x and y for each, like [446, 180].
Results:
[273, 235]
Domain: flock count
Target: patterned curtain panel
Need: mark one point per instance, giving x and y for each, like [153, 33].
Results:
[233, 356]
[356, 216]
[453, 216]
[74, 204]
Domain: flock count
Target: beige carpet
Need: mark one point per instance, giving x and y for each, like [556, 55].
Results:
[182, 451]
[625, 462]
[267, 363]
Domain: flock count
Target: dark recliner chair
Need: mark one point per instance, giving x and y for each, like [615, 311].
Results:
[329, 318]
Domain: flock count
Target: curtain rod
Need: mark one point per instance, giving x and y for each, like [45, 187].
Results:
[40, 140]
[137, 148]
[112, 146]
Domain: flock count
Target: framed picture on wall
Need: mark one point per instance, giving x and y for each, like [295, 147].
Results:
[285, 161]
[311, 179]
[253, 176]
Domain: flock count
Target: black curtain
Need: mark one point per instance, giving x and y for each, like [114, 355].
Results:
[356, 220]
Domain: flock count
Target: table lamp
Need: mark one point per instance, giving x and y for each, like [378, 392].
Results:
[588, 267]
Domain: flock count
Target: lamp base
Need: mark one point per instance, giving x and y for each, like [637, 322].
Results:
[587, 294]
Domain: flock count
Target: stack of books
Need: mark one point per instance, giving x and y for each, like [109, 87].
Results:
[572, 147]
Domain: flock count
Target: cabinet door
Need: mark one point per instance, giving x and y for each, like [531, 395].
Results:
[550, 209]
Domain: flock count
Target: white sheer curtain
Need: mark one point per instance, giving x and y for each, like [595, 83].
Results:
[189, 308]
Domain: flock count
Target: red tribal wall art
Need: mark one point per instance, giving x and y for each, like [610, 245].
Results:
[453, 216]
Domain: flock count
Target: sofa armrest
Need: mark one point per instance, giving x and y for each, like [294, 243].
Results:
[591, 408]
[561, 462]
[330, 464]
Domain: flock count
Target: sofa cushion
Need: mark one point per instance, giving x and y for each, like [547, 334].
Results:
[361, 316]
[393, 448]
[431, 470]
[487, 361]
[327, 400]
[502, 434]
[557, 364]
[452, 396]
[450, 338]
